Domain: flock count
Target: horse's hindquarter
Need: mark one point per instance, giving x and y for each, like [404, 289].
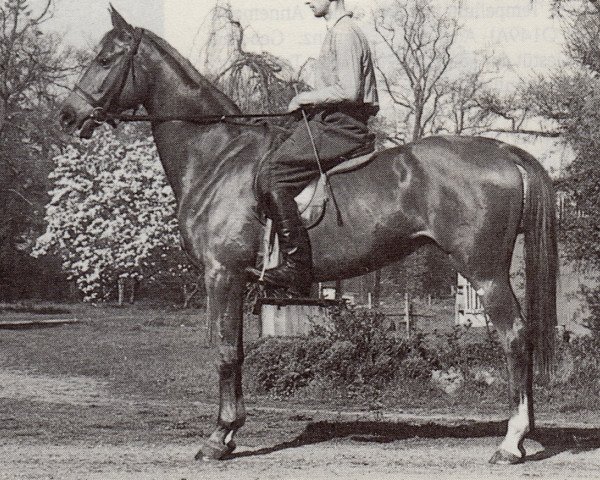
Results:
[450, 190]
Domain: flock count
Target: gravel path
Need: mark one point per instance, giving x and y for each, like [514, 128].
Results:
[73, 428]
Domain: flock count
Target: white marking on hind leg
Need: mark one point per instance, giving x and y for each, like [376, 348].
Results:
[518, 427]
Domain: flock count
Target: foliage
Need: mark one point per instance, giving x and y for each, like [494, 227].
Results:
[34, 69]
[570, 99]
[111, 213]
[358, 358]
[357, 353]
[282, 366]
[456, 349]
[585, 359]
[361, 350]
[592, 320]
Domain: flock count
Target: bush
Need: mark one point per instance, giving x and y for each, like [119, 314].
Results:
[460, 349]
[355, 353]
[357, 357]
[281, 366]
[360, 350]
[583, 354]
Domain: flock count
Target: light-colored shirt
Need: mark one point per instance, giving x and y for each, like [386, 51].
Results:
[344, 69]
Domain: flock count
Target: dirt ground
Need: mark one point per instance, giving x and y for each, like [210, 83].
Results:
[80, 402]
[70, 428]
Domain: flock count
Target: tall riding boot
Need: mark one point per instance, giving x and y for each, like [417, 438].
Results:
[295, 271]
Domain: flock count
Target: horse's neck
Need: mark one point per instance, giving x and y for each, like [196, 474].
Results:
[172, 94]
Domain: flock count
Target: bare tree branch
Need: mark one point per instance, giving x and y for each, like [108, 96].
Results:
[536, 133]
[418, 40]
[255, 81]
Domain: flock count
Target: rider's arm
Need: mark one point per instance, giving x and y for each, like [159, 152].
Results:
[348, 82]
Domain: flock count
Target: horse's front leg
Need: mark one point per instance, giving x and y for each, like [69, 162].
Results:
[225, 291]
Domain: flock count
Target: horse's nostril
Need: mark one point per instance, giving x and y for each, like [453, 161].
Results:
[67, 117]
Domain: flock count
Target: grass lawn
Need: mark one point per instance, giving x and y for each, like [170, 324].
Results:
[136, 350]
[128, 371]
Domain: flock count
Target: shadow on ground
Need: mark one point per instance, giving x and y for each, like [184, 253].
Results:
[555, 440]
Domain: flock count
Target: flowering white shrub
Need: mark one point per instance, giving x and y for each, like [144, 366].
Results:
[110, 214]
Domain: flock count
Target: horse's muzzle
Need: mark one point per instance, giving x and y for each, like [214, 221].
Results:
[68, 119]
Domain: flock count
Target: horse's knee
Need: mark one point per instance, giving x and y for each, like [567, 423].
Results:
[229, 359]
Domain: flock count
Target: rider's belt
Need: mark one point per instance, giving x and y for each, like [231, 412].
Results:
[358, 111]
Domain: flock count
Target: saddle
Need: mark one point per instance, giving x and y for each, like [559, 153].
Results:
[312, 202]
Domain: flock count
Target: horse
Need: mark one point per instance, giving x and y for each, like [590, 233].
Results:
[469, 196]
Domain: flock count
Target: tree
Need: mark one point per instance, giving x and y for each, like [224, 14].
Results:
[463, 107]
[561, 7]
[257, 82]
[111, 216]
[418, 41]
[33, 69]
[570, 98]
[431, 89]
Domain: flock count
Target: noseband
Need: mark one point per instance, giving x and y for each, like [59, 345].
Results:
[104, 103]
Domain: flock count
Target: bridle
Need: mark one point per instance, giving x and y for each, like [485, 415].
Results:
[106, 102]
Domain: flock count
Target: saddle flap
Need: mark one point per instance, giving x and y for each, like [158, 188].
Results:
[312, 200]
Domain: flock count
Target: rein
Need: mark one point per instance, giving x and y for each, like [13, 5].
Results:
[100, 116]
[101, 113]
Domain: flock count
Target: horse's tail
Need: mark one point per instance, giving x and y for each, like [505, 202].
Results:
[541, 258]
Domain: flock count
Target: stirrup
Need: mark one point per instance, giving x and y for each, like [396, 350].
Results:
[292, 289]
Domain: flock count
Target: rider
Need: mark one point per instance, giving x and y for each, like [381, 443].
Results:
[344, 98]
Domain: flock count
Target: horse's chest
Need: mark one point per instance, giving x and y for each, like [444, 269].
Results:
[223, 232]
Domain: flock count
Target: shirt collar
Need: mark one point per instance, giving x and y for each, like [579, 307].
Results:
[333, 20]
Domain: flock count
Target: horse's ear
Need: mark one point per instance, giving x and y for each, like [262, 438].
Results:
[118, 21]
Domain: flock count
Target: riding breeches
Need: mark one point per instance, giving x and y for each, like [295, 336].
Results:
[293, 165]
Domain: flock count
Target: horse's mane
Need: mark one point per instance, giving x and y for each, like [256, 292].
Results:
[193, 78]
[189, 73]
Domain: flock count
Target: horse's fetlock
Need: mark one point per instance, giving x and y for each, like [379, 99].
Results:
[232, 425]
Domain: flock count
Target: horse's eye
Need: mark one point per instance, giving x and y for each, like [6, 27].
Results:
[104, 61]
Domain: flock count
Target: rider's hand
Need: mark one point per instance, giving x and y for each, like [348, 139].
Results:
[297, 102]
[294, 105]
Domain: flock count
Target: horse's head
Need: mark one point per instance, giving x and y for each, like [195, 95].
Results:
[112, 83]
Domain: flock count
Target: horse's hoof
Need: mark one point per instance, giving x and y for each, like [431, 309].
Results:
[503, 457]
[215, 451]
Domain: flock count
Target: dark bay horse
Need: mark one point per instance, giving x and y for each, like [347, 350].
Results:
[470, 196]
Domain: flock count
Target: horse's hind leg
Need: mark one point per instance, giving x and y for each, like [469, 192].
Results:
[225, 310]
[504, 312]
